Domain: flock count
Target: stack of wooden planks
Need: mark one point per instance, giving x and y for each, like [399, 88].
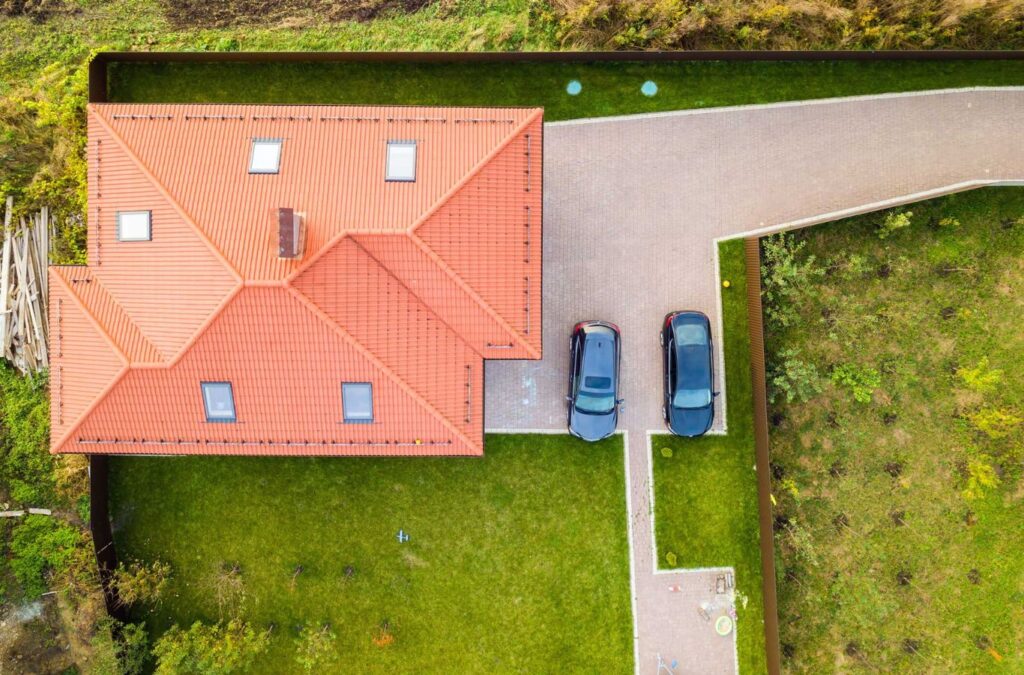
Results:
[23, 317]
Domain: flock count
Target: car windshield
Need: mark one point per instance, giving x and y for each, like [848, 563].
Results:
[692, 398]
[593, 402]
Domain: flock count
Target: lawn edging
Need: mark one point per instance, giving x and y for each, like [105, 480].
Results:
[755, 322]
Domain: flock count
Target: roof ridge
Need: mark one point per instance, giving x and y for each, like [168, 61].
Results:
[416, 295]
[473, 173]
[384, 368]
[93, 279]
[54, 448]
[96, 323]
[162, 189]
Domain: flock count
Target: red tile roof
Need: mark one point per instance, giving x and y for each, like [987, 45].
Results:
[405, 285]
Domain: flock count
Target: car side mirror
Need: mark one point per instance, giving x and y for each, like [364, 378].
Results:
[715, 393]
[568, 398]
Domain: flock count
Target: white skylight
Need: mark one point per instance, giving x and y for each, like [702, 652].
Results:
[266, 155]
[133, 226]
[401, 165]
[357, 401]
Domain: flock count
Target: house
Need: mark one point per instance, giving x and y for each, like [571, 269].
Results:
[296, 280]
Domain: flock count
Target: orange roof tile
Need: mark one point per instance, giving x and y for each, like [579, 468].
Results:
[407, 286]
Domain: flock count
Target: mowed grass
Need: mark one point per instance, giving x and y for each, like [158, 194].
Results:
[607, 88]
[885, 564]
[516, 562]
[705, 494]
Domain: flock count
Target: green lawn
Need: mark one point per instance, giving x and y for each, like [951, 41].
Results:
[887, 560]
[516, 562]
[608, 88]
[705, 494]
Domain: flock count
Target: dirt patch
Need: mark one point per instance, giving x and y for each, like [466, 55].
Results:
[223, 13]
[37, 10]
[32, 641]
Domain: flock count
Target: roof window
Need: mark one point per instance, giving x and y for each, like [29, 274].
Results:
[401, 164]
[265, 156]
[218, 401]
[357, 402]
[134, 226]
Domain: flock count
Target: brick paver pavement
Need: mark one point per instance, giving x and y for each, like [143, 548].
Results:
[632, 207]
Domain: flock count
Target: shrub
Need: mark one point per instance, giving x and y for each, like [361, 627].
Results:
[313, 647]
[204, 649]
[894, 222]
[671, 559]
[981, 476]
[792, 377]
[666, 452]
[981, 378]
[995, 423]
[860, 380]
[139, 582]
[41, 545]
[787, 278]
[949, 223]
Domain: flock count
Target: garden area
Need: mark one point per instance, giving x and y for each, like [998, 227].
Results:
[705, 489]
[894, 345]
[514, 561]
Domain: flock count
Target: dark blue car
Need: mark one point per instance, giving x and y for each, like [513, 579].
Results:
[595, 350]
[689, 406]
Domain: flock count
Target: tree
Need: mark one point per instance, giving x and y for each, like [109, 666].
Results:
[313, 646]
[206, 649]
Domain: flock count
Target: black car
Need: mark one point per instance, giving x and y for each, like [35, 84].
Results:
[689, 405]
[594, 353]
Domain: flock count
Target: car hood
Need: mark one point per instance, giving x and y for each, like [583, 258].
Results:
[592, 427]
[691, 421]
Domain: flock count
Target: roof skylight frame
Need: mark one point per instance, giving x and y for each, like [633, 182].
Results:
[134, 225]
[265, 156]
[400, 166]
[357, 402]
[211, 389]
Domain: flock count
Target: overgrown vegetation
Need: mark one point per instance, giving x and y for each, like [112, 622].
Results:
[515, 561]
[705, 489]
[787, 24]
[900, 513]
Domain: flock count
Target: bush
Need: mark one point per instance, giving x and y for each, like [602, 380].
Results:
[787, 279]
[996, 423]
[41, 545]
[671, 559]
[949, 223]
[139, 582]
[860, 380]
[981, 476]
[981, 378]
[313, 646]
[666, 452]
[204, 649]
[893, 223]
[792, 377]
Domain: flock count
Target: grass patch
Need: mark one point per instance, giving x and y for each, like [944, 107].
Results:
[706, 489]
[608, 88]
[903, 513]
[516, 561]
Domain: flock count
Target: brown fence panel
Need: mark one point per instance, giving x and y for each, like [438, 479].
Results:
[102, 535]
[764, 485]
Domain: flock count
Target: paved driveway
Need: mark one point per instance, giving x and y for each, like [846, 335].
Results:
[632, 208]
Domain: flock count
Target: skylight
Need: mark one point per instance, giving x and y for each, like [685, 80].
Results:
[401, 165]
[266, 155]
[218, 401]
[357, 402]
[134, 226]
